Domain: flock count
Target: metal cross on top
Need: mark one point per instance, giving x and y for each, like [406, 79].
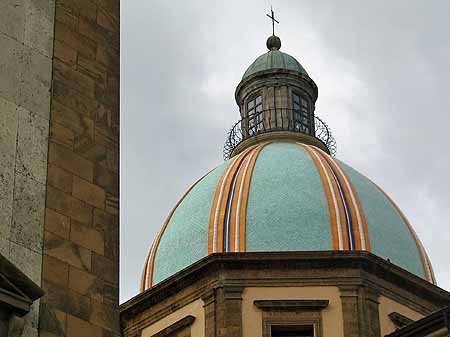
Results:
[272, 17]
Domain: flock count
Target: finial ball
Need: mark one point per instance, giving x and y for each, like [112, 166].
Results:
[273, 43]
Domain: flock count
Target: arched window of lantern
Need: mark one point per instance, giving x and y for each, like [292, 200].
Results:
[255, 114]
[301, 110]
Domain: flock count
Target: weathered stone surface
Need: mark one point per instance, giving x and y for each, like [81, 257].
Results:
[32, 146]
[80, 43]
[60, 179]
[57, 223]
[55, 270]
[62, 135]
[52, 321]
[104, 316]
[72, 99]
[34, 89]
[8, 136]
[107, 180]
[67, 251]
[87, 237]
[27, 260]
[70, 161]
[39, 21]
[105, 269]
[12, 18]
[86, 284]
[28, 213]
[67, 205]
[90, 193]
[65, 53]
[77, 327]
[11, 67]
[66, 300]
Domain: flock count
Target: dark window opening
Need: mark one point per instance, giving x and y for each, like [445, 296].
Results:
[300, 107]
[292, 331]
[255, 115]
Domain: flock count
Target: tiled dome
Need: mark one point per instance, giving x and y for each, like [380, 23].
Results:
[283, 196]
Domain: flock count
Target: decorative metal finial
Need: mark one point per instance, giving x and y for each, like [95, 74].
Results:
[272, 17]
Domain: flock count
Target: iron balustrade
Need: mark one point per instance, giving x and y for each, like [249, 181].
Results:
[277, 120]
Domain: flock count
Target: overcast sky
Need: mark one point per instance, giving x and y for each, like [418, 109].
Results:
[383, 72]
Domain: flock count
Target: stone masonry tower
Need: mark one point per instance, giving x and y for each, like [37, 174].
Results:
[59, 165]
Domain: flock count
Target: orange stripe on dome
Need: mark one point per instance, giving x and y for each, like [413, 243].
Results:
[342, 218]
[330, 196]
[144, 272]
[225, 196]
[161, 232]
[244, 200]
[350, 196]
[234, 205]
[423, 256]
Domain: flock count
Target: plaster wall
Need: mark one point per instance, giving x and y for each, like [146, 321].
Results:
[195, 309]
[26, 40]
[388, 306]
[331, 316]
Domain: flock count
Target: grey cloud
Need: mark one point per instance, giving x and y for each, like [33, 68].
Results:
[382, 69]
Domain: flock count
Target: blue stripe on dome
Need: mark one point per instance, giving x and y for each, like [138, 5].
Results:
[287, 207]
[185, 239]
[389, 236]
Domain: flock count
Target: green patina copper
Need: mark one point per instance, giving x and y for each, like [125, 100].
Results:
[274, 59]
[287, 207]
[185, 239]
[388, 234]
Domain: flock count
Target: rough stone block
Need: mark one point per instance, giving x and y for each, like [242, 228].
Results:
[87, 237]
[84, 8]
[28, 261]
[59, 178]
[74, 79]
[72, 99]
[57, 223]
[28, 213]
[67, 251]
[66, 300]
[61, 135]
[55, 271]
[8, 136]
[52, 321]
[65, 53]
[77, 328]
[34, 89]
[90, 193]
[67, 205]
[12, 18]
[108, 180]
[32, 146]
[11, 67]
[74, 120]
[4, 246]
[105, 316]
[80, 43]
[70, 161]
[105, 269]
[107, 20]
[85, 284]
[39, 23]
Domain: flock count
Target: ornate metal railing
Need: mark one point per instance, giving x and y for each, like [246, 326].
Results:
[277, 120]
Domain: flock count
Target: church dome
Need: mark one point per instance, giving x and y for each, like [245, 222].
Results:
[274, 60]
[283, 196]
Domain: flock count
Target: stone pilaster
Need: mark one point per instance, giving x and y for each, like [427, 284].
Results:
[229, 311]
[81, 231]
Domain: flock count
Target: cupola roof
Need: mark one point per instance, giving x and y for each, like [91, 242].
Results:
[274, 59]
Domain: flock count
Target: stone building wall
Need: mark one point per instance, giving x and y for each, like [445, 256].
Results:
[26, 47]
[81, 231]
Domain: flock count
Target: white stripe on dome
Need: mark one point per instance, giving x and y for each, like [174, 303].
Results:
[333, 194]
